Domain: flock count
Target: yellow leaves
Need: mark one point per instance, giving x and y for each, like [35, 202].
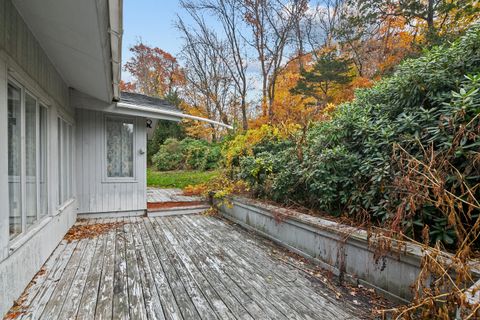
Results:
[243, 144]
[197, 129]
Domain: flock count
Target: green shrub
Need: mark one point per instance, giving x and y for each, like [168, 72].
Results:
[164, 129]
[360, 162]
[188, 154]
[169, 155]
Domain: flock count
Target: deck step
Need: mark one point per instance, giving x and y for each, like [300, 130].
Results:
[174, 211]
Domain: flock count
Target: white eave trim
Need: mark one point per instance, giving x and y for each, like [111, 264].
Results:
[170, 113]
[116, 32]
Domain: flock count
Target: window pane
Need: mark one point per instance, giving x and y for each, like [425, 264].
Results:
[64, 162]
[119, 148]
[67, 161]
[59, 144]
[70, 164]
[43, 162]
[14, 160]
[30, 159]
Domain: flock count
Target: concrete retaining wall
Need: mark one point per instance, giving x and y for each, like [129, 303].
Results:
[342, 249]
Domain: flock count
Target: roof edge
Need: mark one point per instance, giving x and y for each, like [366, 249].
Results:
[116, 34]
[170, 113]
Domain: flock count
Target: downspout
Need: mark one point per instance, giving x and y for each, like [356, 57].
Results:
[116, 31]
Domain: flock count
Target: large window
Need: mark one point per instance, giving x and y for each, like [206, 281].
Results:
[27, 158]
[14, 159]
[31, 159]
[119, 148]
[65, 161]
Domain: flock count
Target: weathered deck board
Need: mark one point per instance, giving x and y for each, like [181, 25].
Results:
[55, 303]
[169, 304]
[47, 271]
[120, 290]
[260, 260]
[267, 299]
[279, 295]
[255, 257]
[38, 303]
[208, 290]
[175, 268]
[184, 301]
[92, 283]
[260, 275]
[241, 305]
[135, 289]
[103, 308]
[201, 304]
[153, 303]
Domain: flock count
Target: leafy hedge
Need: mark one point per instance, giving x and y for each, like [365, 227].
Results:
[361, 161]
[164, 129]
[189, 154]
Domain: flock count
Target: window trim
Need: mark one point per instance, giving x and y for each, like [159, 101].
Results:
[46, 174]
[68, 188]
[105, 177]
[39, 102]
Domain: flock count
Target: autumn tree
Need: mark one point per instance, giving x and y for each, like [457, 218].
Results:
[234, 55]
[127, 86]
[210, 89]
[328, 71]
[272, 24]
[431, 20]
[305, 54]
[155, 72]
[320, 24]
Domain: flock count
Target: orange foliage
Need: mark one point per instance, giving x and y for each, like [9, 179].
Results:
[397, 43]
[127, 86]
[194, 128]
[289, 108]
[381, 54]
[156, 72]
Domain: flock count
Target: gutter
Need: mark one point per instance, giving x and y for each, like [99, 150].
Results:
[170, 113]
[116, 32]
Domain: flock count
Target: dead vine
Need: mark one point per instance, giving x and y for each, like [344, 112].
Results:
[435, 180]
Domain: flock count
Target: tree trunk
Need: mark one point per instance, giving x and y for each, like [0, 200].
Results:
[430, 18]
[244, 114]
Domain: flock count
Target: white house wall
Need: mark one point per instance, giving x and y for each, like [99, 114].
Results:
[23, 60]
[95, 194]
[23, 49]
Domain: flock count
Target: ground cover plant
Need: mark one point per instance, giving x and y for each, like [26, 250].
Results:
[179, 178]
[186, 154]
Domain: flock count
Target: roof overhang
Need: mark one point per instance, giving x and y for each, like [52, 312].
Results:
[163, 113]
[81, 100]
[82, 38]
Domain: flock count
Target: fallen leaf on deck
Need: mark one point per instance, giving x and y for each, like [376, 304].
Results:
[78, 232]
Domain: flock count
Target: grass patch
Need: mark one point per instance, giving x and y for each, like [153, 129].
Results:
[178, 179]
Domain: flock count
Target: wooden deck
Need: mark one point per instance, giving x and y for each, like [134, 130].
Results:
[184, 267]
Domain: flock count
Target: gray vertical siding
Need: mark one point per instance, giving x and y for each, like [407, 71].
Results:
[21, 46]
[25, 60]
[94, 194]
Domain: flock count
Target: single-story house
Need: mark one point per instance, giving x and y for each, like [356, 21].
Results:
[70, 142]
